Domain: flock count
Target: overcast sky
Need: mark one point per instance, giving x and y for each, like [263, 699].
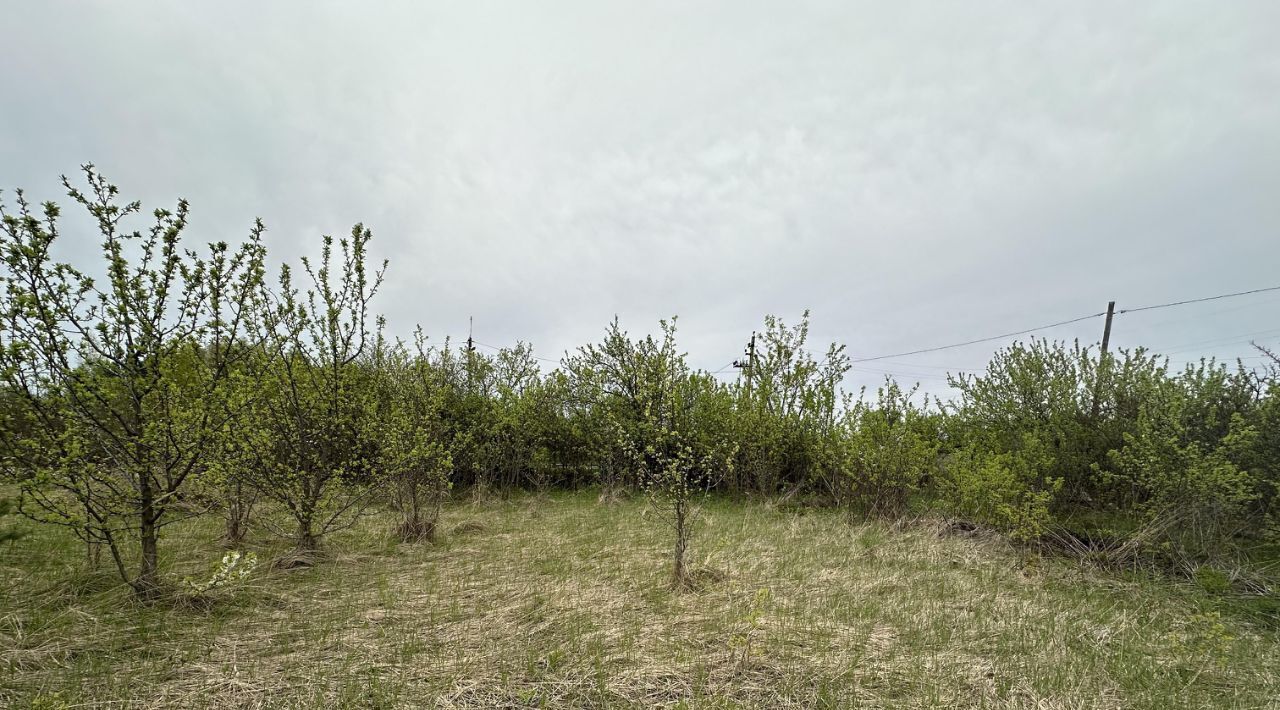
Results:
[916, 174]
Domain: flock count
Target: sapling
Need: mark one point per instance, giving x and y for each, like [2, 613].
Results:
[118, 385]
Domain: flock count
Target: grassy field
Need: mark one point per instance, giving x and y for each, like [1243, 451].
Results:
[562, 601]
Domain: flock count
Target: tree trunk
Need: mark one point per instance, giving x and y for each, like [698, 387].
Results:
[147, 583]
[307, 540]
[412, 527]
[678, 575]
[238, 510]
[235, 532]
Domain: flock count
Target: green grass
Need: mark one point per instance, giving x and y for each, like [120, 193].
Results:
[561, 601]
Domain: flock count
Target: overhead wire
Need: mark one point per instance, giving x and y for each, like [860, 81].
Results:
[1002, 336]
[1199, 300]
[992, 338]
[1067, 322]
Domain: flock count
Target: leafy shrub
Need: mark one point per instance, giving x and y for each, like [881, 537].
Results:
[412, 451]
[1185, 461]
[1211, 580]
[1010, 491]
[888, 450]
[785, 411]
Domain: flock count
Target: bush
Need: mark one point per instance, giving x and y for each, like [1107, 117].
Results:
[1186, 461]
[1010, 491]
[889, 450]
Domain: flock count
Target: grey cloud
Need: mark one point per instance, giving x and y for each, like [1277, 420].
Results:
[916, 174]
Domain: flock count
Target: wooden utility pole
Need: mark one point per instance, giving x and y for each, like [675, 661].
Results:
[1102, 359]
[471, 348]
[1106, 329]
[749, 366]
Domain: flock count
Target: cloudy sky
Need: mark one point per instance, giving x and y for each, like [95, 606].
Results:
[916, 174]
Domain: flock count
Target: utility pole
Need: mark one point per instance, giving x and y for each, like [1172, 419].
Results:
[1102, 359]
[1106, 329]
[749, 366]
[471, 348]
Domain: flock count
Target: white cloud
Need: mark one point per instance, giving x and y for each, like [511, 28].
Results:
[915, 174]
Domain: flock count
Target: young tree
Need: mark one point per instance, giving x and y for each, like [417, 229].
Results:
[676, 455]
[119, 384]
[318, 434]
[228, 486]
[412, 446]
[469, 413]
[528, 413]
[889, 449]
[786, 411]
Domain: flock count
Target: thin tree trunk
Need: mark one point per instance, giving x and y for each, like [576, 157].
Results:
[412, 526]
[147, 582]
[682, 540]
[307, 540]
[238, 510]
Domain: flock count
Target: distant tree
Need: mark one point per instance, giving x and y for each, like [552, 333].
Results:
[658, 407]
[610, 384]
[119, 386]
[787, 411]
[228, 486]
[413, 449]
[889, 449]
[317, 435]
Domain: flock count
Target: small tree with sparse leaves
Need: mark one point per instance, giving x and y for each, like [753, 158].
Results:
[317, 435]
[677, 459]
[413, 447]
[118, 382]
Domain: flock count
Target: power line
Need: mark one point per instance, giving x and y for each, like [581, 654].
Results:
[726, 367]
[1066, 322]
[926, 376]
[1201, 300]
[932, 367]
[1219, 311]
[1002, 336]
[1214, 342]
[980, 340]
[495, 348]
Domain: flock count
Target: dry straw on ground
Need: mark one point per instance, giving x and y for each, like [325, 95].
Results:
[563, 601]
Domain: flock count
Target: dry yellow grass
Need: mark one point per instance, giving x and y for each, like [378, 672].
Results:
[562, 601]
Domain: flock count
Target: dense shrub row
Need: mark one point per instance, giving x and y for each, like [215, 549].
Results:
[173, 384]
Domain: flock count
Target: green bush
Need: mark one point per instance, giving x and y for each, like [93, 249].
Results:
[1188, 461]
[1010, 491]
[889, 450]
